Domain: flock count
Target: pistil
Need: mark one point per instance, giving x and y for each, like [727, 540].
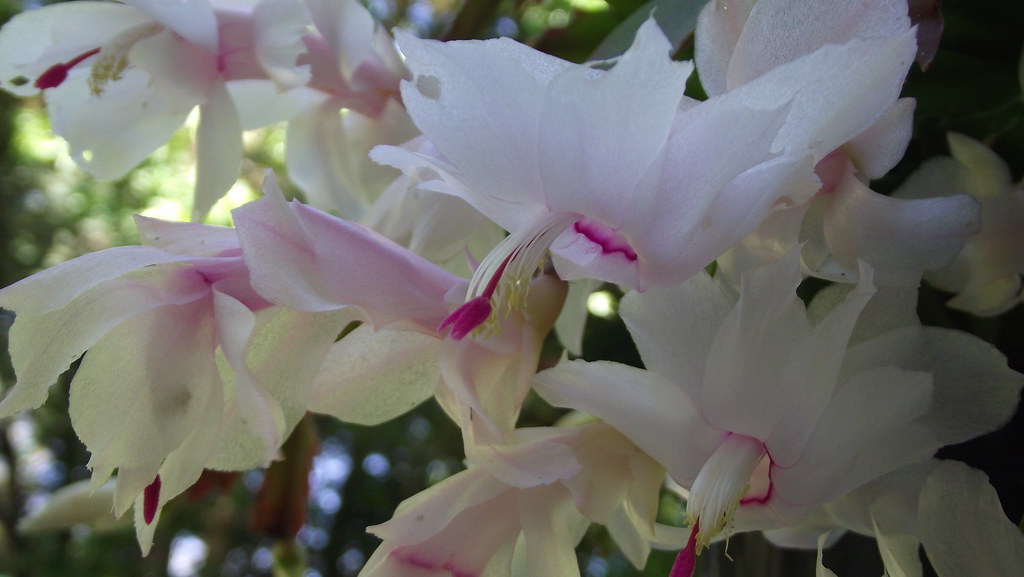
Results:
[55, 75]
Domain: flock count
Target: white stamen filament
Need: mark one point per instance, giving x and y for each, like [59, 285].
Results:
[516, 258]
[721, 483]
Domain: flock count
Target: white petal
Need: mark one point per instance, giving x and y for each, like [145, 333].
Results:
[876, 150]
[778, 32]
[186, 238]
[348, 28]
[821, 570]
[55, 287]
[991, 171]
[836, 92]
[43, 344]
[546, 513]
[194, 20]
[180, 74]
[370, 377]
[975, 392]
[675, 326]
[719, 28]
[703, 175]
[143, 389]
[218, 150]
[235, 325]
[572, 320]
[278, 26]
[34, 40]
[899, 553]
[495, 89]
[283, 356]
[260, 103]
[857, 439]
[624, 128]
[899, 238]
[75, 504]
[652, 412]
[110, 133]
[770, 373]
[437, 506]
[321, 161]
[308, 260]
[963, 527]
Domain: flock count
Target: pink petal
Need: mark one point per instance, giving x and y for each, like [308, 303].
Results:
[308, 260]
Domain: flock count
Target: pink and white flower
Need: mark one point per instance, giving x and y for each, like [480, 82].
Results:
[740, 41]
[986, 274]
[765, 410]
[185, 366]
[625, 179]
[307, 260]
[120, 79]
[527, 522]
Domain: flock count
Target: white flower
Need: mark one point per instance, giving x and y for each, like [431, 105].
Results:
[624, 178]
[187, 367]
[765, 410]
[986, 274]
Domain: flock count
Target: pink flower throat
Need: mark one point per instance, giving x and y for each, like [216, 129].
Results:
[609, 240]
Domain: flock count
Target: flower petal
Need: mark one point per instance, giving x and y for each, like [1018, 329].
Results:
[112, 132]
[308, 260]
[649, 410]
[899, 238]
[842, 452]
[278, 26]
[778, 32]
[193, 20]
[44, 343]
[218, 150]
[623, 128]
[674, 327]
[348, 28]
[186, 238]
[876, 150]
[370, 377]
[497, 88]
[963, 527]
[34, 40]
[165, 377]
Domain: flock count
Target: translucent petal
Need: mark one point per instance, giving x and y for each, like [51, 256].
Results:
[370, 377]
[652, 412]
[110, 133]
[218, 150]
[308, 260]
[963, 527]
[34, 40]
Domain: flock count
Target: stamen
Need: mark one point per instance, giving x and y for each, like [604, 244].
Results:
[151, 500]
[467, 317]
[58, 73]
[501, 280]
[722, 482]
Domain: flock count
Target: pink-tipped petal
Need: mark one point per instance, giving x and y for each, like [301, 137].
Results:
[150, 500]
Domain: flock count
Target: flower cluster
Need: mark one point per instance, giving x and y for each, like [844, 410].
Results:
[769, 410]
